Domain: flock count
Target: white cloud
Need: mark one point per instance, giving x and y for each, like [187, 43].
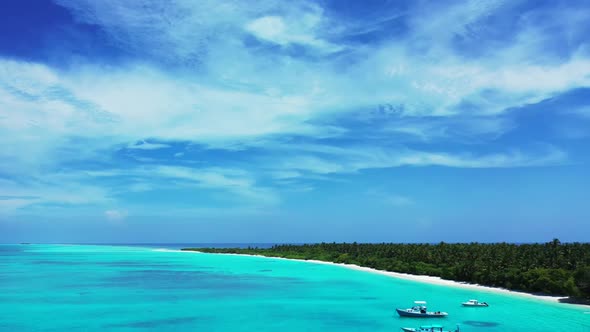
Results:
[236, 182]
[283, 175]
[232, 97]
[223, 178]
[115, 215]
[56, 189]
[232, 101]
[140, 187]
[73, 189]
[390, 198]
[147, 146]
[315, 164]
[357, 158]
[143, 100]
[297, 29]
[182, 31]
[9, 206]
[270, 28]
[399, 200]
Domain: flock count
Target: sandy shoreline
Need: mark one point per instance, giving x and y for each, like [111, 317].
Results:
[420, 278]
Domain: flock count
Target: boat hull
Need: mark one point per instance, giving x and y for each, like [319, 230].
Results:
[406, 313]
[435, 329]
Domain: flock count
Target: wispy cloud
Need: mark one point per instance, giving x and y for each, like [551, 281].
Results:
[52, 190]
[389, 198]
[143, 145]
[299, 27]
[115, 215]
[277, 94]
[353, 159]
[399, 200]
[233, 181]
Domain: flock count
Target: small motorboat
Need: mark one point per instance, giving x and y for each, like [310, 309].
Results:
[428, 328]
[475, 303]
[419, 310]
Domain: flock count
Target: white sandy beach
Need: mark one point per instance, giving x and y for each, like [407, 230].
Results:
[420, 278]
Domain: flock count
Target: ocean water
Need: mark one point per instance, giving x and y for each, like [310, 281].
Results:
[117, 288]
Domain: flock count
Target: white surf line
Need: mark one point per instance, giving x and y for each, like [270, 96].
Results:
[419, 278]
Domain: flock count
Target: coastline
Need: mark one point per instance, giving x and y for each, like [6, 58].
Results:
[420, 278]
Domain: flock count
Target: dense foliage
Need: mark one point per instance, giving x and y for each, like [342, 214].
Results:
[550, 268]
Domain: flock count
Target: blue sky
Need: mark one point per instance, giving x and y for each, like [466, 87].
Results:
[298, 121]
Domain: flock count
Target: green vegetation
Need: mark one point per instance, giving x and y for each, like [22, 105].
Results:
[551, 268]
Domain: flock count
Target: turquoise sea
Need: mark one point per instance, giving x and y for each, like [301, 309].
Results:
[118, 288]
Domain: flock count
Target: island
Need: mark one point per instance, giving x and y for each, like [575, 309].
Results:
[552, 268]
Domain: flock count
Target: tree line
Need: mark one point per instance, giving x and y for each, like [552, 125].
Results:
[552, 268]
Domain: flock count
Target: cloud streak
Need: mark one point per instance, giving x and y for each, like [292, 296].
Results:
[275, 95]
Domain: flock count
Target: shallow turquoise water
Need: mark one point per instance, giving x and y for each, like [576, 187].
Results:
[87, 288]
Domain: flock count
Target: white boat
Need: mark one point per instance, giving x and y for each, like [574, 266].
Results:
[428, 328]
[475, 303]
[419, 310]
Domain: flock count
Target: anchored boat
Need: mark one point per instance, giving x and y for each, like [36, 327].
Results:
[475, 303]
[428, 328]
[419, 310]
